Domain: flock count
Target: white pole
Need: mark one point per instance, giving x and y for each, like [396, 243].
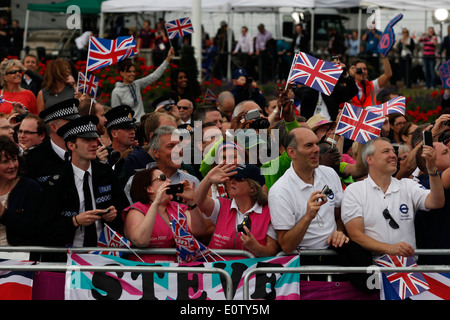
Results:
[25, 33]
[102, 25]
[197, 35]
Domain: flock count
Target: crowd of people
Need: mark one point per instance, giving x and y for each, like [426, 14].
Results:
[70, 165]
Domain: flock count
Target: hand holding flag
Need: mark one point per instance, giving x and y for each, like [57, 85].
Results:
[387, 39]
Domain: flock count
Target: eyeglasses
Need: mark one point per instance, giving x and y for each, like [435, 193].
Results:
[184, 108]
[26, 132]
[392, 223]
[161, 177]
[14, 72]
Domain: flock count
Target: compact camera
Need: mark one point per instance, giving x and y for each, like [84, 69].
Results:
[247, 222]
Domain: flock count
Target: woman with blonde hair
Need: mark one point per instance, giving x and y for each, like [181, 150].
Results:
[55, 87]
[12, 95]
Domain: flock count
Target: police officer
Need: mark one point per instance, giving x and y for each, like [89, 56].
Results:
[120, 126]
[84, 196]
[43, 160]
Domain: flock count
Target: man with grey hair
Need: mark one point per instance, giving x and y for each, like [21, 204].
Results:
[379, 211]
[166, 148]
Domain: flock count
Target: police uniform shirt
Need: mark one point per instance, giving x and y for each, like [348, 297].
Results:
[58, 150]
[403, 199]
[79, 178]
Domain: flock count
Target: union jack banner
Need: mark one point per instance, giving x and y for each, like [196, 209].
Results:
[105, 52]
[111, 239]
[405, 284]
[179, 28]
[396, 105]
[210, 96]
[358, 124]
[89, 86]
[188, 248]
[315, 73]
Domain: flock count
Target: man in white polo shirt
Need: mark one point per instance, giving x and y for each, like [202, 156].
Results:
[301, 215]
[379, 211]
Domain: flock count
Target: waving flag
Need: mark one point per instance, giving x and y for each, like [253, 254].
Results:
[179, 28]
[315, 73]
[444, 74]
[89, 85]
[395, 105]
[387, 39]
[210, 96]
[439, 287]
[105, 52]
[358, 124]
[111, 239]
[404, 284]
[188, 248]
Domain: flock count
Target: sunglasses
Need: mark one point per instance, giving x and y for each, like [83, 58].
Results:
[184, 108]
[14, 72]
[238, 179]
[392, 223]
[161, 177]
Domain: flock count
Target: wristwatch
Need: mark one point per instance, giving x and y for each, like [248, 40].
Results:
[192, 207]
[434, 173]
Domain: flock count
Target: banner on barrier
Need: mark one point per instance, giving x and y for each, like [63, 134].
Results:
[178, 286]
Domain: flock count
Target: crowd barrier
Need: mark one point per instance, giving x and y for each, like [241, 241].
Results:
[60, 268]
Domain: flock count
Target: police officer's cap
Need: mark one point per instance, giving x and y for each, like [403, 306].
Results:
[82, 127]
[120, 117]
[67, 109]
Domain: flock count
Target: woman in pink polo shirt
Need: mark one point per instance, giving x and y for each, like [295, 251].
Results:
[148, 221]
[248, 200]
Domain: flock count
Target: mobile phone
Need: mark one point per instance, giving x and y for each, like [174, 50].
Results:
[104, 212]
[427, 138]
[174, 189]
[252, 114]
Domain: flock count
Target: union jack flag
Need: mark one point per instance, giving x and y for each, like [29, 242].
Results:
[179, 28]
[210, 96]
[358, 124]
[396, 105]
[89, 86]
[315, 73]
[105, 52]
[188, 248]
[111, 239]
[405, 284]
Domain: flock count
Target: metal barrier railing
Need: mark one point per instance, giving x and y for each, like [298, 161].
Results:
[156, 251]
[139, 269]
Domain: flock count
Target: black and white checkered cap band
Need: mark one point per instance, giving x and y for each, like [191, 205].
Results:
[118, 121]
[85, 128]
[62, 113]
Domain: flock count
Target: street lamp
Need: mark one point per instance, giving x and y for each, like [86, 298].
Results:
[441, 15]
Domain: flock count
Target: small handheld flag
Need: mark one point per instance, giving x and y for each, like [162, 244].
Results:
[179, 28]
[358, 124]
[315, 73]
[395, 105]
[87, 85]
[105, 52]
